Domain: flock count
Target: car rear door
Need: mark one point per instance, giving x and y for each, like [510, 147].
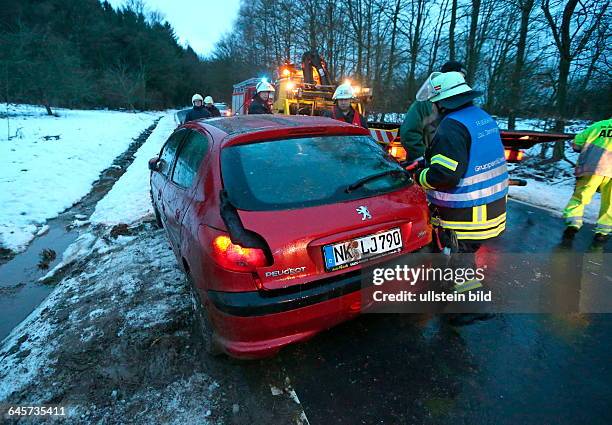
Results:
[160, 177]
[179, 190]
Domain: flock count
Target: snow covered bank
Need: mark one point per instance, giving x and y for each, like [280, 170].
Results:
[536, 124]
[128, 201]
[115, 339]
[527, 124]
[553, 197]
[549, 185]
[48, 163]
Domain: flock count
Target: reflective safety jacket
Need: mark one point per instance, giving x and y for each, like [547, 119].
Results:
[467, 178]
[595, 146]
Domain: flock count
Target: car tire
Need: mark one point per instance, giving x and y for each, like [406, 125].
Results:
[158, 221]
[203, 324]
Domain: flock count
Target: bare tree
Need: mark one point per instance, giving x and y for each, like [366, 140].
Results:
[451, 31]
[472, 57]
[525, 7]
[570, 44]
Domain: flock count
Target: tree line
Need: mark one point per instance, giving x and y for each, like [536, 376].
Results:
[542, 58]
[545, 58]
[84, 53]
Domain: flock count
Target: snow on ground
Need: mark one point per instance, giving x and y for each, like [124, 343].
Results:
[553, 197]
[536, 124]
[116, 339]
[113, 341]
[527, 124]
[128, 201]
[550, 185]
[47, 163]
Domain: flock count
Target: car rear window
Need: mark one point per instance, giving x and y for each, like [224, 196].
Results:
[303, 172]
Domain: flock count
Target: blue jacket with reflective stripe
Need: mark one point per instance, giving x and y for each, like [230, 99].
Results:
[486, 177]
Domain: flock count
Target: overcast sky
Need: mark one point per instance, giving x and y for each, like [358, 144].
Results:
[199, 23]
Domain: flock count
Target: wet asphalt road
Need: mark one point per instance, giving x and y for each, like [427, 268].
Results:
[512, 369]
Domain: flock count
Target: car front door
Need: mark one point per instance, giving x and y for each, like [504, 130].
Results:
[179, 190]
[160, 177]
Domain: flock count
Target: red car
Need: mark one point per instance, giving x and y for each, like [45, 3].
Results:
[272, 218]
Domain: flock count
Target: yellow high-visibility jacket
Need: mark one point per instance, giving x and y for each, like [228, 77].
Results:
[595, 146]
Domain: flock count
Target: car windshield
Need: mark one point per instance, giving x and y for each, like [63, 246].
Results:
[304, 172]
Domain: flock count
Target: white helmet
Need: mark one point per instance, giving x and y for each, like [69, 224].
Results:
[263, 85]
[196, 97]
[344, 91]
[442, 85]
[208, 100]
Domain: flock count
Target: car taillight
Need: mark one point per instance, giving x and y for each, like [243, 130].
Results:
[235, 257]
[397, 151]
[514, 155]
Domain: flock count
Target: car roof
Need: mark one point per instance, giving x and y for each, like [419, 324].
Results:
[240, 124]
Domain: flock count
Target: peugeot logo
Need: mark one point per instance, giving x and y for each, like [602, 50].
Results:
[365, 213]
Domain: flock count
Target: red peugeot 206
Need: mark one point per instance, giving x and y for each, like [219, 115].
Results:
[272, 219]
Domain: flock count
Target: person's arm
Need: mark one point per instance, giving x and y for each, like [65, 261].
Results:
[411, 130]
[449, 157]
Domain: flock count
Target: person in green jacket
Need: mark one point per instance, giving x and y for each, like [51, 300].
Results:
[420, 122]
[593, 172]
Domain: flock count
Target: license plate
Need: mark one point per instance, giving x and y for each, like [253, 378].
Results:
[355, 251]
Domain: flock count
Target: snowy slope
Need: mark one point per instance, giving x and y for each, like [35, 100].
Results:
[49, 163]
[128, 201]
[549, 185]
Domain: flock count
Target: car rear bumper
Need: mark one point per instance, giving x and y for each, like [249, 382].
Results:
[257, 324]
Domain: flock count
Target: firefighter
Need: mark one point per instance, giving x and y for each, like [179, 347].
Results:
[420, 121]
[593, 172]
[262, 101]
[198, 111]
[465, 176]
[343, 110]
[210, 107]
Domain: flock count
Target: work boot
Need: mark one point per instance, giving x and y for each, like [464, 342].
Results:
[600, 238]
[569, 233]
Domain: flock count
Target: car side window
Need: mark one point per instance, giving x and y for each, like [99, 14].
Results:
[169, 152]
[189, 158]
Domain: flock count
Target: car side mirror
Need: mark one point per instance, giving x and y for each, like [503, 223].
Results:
[154, 163]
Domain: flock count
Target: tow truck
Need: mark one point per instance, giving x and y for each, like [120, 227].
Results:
[308, 90]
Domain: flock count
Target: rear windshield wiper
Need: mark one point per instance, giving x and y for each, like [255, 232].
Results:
[367, 179]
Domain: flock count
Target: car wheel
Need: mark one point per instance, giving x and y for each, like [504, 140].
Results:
[202, 323]
[158, 221]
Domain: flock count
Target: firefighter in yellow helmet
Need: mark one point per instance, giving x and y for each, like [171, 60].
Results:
[593, 172]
